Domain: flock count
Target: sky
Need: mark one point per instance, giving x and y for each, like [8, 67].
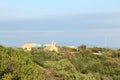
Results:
[68, 22]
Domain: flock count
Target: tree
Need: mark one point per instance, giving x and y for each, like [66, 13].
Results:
[82, 47]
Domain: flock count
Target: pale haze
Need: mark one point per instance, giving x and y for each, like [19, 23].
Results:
[68, 22]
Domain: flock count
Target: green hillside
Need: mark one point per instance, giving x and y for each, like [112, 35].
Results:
[67, 64]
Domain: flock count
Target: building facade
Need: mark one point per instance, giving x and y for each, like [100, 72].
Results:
[50, 47]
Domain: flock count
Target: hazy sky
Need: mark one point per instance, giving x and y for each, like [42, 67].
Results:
[68, 22]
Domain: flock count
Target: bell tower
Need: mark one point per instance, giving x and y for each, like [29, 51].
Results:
[53, 43]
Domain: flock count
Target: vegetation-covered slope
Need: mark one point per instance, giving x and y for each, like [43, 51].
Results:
[79, 64]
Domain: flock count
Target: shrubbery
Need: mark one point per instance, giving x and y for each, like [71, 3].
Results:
[39, 64]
